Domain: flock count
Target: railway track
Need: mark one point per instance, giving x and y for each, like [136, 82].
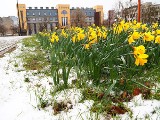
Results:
[6, 47]
[8, 43]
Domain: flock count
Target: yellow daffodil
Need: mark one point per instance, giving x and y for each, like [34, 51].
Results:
[138, 25]
[74, 39]
[126, 26]
[86, 46]
[154, 25]
[157, 40]
[92, 35]
[139, 50]
[158, 31]
[148, 36]
[104, 35]
[136, 35]
[54, 38]
[64, 34]
[139, 55]
[99, 33]
[131, 40]
[80, 36]
[153, 32]
[122, 23]
[141, 59]
[134, 22]
[93, 41]
[133, 37]
[144, 27]
[118, 29]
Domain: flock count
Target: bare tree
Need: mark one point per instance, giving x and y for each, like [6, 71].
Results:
[123, 9]
[78, 18]
[3, 30]
[14, 29]
[43, 24]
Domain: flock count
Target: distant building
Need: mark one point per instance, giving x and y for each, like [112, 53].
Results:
[149, 13]
[130, 14]
[111, 17]
[99, 8]
[15, 20]
[88, 12]
[35, 19]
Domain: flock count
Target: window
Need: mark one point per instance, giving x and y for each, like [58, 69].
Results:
[90, 18]
[34, 19]
[64, 12]
[45, 14]
[39, 13]
[50, 13]
[33, 14]
[51, 19]
[56, 19]
[27, 13]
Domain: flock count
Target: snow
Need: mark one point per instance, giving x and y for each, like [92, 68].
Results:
[141, 109]
[73, 95]
[18, 100]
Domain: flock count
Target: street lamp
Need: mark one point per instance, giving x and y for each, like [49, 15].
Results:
[139, 10]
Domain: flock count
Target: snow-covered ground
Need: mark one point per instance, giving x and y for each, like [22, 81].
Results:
[142, 109]
[18, 100]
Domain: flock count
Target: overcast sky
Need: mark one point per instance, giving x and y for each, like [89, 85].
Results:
[8, 7]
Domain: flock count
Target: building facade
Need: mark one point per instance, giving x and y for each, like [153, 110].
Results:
[84, 16]
[111, 17]
[149, 13]
[36, 19]
[130, 14]
[15, 20]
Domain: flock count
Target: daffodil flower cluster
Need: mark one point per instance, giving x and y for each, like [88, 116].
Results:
[140, 56]
[54, 38]
[98, 50]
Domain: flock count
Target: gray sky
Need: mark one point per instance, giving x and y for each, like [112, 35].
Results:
[8, 7]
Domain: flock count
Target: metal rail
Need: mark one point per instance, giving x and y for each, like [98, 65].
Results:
[6, 47]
